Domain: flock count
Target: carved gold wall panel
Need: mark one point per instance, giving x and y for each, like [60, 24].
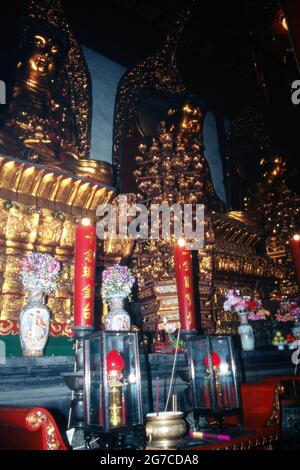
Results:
[24, 229]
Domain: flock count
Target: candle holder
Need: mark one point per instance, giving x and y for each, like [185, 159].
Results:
[112, 391]
[84, 290]
[213, 378]
[75, 382]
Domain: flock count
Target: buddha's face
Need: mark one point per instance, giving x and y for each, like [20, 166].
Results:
[42, 56]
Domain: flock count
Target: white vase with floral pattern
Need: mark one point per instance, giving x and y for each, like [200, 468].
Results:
[117, 318]
[34, 325]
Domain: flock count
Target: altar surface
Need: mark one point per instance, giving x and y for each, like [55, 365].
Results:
[39, 381]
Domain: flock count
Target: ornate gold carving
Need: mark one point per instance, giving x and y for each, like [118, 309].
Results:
[259, 442]
[36, 420]
[36, 185]
[276, 408]
[23, 229]
[178, 151]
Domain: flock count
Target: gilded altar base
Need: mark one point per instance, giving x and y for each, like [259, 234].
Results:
[39, 210]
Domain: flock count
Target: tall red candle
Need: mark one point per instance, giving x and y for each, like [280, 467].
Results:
[185, 288]
[84, 285]
[295, 249]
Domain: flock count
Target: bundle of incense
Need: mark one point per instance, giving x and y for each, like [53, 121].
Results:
[208, 435]
[157, 396]
[174, 403]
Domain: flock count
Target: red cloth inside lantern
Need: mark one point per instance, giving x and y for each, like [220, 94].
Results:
[216, 360]
[114, 361]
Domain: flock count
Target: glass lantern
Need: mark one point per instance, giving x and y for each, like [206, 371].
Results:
[112, 390]
[213, 378]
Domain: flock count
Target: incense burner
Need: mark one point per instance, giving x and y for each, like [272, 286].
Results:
[166, 429]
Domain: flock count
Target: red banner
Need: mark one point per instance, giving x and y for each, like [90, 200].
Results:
[185, 287]
[84, 288]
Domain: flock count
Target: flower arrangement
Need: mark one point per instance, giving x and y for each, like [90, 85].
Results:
[288, 311]
[283, 318]
[40, 272]
[295, 311]
[117, 281]
[243, 305]
[235, 302]
[170, 330]
[260, 314]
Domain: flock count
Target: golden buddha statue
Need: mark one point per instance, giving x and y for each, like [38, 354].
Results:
[49, 110]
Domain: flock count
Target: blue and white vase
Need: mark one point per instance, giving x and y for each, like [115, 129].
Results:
[246, 333]
[34, 325]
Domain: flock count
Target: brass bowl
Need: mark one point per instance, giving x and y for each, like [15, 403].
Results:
[166, 429]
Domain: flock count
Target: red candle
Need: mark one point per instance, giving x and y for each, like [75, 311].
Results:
[295, 249]
[84, 285]
[185, 288]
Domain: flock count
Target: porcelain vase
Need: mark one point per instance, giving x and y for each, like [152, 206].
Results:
[34, 325]
[117, 318]
[296, 329]
[246, 333]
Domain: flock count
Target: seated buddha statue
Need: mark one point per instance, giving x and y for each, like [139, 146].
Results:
[42, 123]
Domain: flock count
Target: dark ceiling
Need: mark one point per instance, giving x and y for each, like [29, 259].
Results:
[216, 53]
[213, 55]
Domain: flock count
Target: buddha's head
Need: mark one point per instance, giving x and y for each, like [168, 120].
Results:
[41, 57]
[44, 55]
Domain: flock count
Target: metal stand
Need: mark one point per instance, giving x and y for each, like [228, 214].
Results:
[131, 437]
[75, 382]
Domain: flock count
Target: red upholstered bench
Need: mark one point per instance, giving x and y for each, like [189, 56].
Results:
[280, 379]
[29, 429]
[261, 414]
[261, 406]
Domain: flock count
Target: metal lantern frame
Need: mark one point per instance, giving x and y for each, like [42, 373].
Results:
[103, 433]
[218, 413]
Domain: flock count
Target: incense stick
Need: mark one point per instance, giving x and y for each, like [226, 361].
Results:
[174, 403]
[173, 370]
[157, 395]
